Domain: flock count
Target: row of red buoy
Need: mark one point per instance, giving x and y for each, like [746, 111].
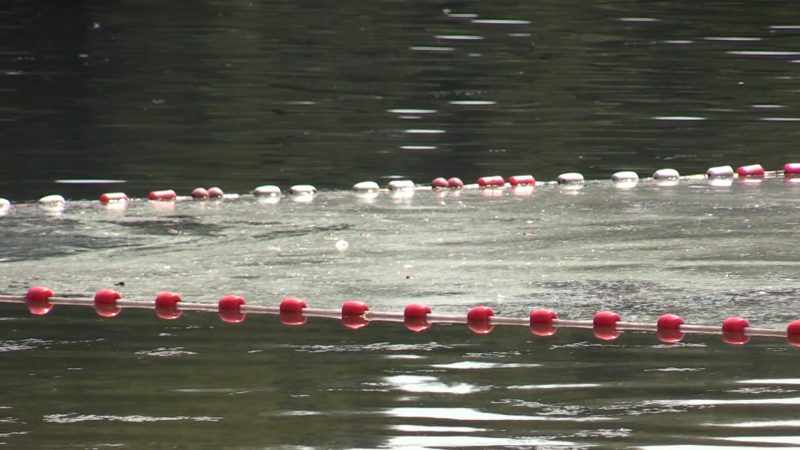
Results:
[354, 314]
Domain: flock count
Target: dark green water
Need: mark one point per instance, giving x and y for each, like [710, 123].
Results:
[240, 94]
[73, 380]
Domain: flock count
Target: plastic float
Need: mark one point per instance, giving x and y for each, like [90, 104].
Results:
[720, 172]
[625, 179]
[522, 180]
[493, 181]
[5, 206]
[354, 314]
[162, 196]
[267, 191]
[570, 178]
[53, 203]
[752, 170]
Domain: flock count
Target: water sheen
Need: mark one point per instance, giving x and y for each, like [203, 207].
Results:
[140, 382]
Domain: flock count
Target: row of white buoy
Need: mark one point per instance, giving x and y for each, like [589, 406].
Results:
[522, 184]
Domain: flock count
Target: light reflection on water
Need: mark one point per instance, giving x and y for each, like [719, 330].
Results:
[259, 378]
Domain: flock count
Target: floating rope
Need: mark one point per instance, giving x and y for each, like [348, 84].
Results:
[354, 314]
[492, 185]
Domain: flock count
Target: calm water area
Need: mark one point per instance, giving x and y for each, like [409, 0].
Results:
[157, 95]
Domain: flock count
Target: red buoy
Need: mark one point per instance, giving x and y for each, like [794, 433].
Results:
[605, 319]
[752, 170]
[793, 333]
[415, 317]
[37, 299]
[522, 180]
[199, 193]
[541, 322]
[455, 183]
[167, 299]
[106, 297]
[439, 183]
[479, 314]
[113, 197]
[669, 322]
[38, 294]
[292, 305]
[416, 311]
[167, 305]
[165, 195]
[229, 309]
[791, 168]
[105, 303]
[478, 319]
[545, 316]
[215, 192]
[491, 181]
[354, 308]
[735, 324]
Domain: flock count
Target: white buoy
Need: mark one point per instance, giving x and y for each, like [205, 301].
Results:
[666, 174]
[267, 191]
[342, 245]
[720, 171]
[302, 190]
[54, 203]
[625, 179]
[366, 190]
[401, 185]
[570, 178]
[5, 206]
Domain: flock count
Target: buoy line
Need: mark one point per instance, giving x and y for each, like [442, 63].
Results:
[354, 314]
[491, 185]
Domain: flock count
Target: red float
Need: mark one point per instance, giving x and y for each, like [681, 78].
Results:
[752, 170]
[605, 319]
[439, 183]
[669, 322]
[105, 303]
[455, 183]
[735, 337]
[167, 305]
[791, 168]
[543, 316]
[165, 195]
[37, 298]
[215, 192]
[735, 324]
[199, 193]
[416, 311]
[354, 308]
[292, 305]
[491, 181]
[229, 309]
[113, 197]
[522, 180]
[478, 319]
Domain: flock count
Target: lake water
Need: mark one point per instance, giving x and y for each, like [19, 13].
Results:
[239, 94]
